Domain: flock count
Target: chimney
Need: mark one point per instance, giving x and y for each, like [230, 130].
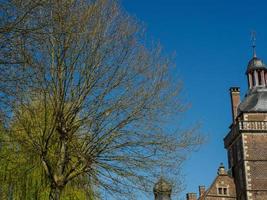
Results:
[202, 190]
[235, 100]
[191, 196]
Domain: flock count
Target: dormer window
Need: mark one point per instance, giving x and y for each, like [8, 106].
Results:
[222, 191]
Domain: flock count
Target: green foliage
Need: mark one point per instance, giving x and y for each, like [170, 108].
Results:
[20, 178]
[21, 172]
[87, 103]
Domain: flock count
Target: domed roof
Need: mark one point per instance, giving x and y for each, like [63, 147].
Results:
[162, 186]
[255, 63]
[255, 101]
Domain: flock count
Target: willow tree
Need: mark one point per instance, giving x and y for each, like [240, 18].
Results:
[96, 100]
[22, 175]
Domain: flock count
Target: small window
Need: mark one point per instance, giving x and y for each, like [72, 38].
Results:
[222, 191]
[225, 191]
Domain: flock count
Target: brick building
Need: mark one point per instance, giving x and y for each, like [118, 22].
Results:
[222, 188]
[246, 143]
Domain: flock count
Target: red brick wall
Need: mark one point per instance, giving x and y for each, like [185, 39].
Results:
[256, 162]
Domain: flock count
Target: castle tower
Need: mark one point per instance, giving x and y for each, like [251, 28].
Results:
[162, 190]
[246, 143]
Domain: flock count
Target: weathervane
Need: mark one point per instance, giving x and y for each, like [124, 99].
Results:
[253, 39]
[161, 170]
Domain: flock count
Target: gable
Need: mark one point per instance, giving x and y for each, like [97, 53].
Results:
[223, 187]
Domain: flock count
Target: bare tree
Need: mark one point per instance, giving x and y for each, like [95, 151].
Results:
[19, 20]
[96, 99]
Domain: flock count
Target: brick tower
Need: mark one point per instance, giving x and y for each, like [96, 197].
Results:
[246, 143]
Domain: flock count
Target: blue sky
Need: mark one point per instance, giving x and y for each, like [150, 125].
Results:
[211, 39]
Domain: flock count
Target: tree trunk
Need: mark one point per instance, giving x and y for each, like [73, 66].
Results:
[55, 193]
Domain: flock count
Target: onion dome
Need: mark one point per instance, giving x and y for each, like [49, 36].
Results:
[162, 186]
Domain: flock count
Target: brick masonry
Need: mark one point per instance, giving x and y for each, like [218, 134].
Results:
[246, 143]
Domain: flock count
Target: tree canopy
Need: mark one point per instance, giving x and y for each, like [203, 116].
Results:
[86, 100]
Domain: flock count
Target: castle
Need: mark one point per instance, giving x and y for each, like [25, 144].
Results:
[246, 144]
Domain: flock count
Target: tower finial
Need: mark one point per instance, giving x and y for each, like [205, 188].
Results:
[161, 170]
[253, 39]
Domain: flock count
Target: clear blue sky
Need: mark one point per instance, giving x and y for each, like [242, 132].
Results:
[211, 39]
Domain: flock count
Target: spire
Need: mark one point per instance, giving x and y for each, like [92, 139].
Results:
[253, 39]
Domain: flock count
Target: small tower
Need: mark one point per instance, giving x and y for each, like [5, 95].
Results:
[256, 70]
[256, 73]
[162, 190]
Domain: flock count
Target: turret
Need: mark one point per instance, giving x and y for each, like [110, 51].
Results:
[256, 73]
[162, 190]
[256, 70]
[256, 96]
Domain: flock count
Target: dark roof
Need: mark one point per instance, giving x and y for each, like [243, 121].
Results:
[255, 63]
[255, 101]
